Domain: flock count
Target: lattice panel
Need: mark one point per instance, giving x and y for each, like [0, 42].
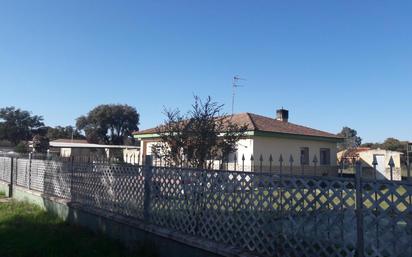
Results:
[38, 169]
[116, 188]
[175, 195]
[51, 177]
[319, 216]
[259, 212]
[5, 166]
[23, 172]
[263, 213]
[387, 213]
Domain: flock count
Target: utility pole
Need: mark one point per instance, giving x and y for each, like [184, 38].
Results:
[408, 156]
[235, 85]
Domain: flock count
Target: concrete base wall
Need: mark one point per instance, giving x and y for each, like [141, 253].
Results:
[133, 237]
[4, 188]
[56, 206]
[135, 234]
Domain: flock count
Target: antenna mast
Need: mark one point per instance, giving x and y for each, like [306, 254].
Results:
[235, 85]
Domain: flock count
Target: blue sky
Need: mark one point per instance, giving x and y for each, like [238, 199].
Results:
[331, 63]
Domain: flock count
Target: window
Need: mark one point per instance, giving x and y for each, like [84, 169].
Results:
[304, 155]
[324, 156]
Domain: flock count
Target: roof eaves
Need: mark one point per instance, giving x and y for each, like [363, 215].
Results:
[301, 136]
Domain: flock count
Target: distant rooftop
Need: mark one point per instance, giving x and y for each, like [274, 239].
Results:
[82, 141]
[79, 143]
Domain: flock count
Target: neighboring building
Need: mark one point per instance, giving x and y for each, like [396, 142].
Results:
[81, 148]
[268, 136]
[7, 150]
[366, 156]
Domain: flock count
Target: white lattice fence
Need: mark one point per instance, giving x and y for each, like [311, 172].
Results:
[267, 214]
[319, 215]
[115, 188]
[387, 214]
[5, 166]
[23, 172]
[38, 169]
[51, 177]
[264, 213]
[175, 198]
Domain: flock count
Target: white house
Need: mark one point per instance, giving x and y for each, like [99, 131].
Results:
[274, 137]
[367, 156]
[81, 148]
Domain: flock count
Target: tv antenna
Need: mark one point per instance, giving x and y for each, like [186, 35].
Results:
[235, 85]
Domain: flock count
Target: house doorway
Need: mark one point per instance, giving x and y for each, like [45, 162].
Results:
[380, 167]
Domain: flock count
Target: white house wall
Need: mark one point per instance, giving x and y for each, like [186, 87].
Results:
[244, 148]
[367, 160]
[131, 155]
[288, 146]
[257, 145]
[146, 149]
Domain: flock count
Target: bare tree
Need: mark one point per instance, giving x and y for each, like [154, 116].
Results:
[203, 134]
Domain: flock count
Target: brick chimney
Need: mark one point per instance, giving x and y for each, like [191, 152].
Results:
[282, 115]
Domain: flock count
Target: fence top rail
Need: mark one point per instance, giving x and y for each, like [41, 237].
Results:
[387, 182]
[83, 160]
[274, 174]
[255, 174]
[40, 156]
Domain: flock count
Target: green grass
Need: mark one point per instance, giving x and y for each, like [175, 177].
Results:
[26, 230]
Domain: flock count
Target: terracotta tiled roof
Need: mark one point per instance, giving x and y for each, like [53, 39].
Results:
[255, 122]
[353, 153]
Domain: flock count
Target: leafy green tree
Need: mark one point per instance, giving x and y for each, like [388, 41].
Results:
[67, 132]
[371, 145]
[201, 135]
[40, 140]
[22, 147]
[394, 144]
[351, 139]
[109, 123]
[17, 125]
[390, 143]
[40, 143]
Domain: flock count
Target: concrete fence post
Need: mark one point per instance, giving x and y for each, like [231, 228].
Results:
[11, 177]
[147, 174]
[30, 160]
[72, 194]
[16, 170]
[359, 211]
